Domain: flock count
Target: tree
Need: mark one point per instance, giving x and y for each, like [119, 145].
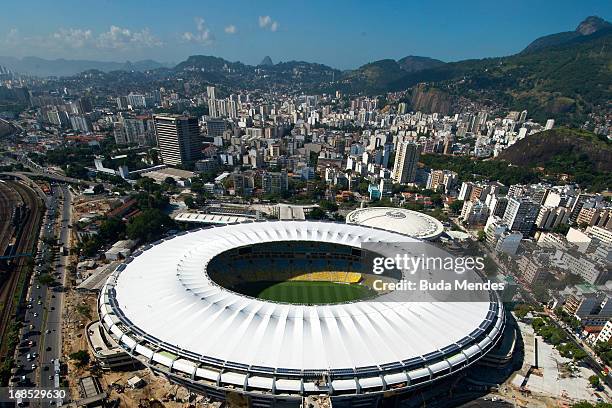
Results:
[45, 279]
[156, 200]
[604, 351]
[149, 225]
[540, 292]
[521, 310]
[456, 206]
[153, 156]
[316, 214]
[84, 310]
[98, 189]
[197, 187]
[111, 229]
[579, 354]
[190, 202]
[594, 381]
[481, 236]
[170, 181]
[76, 171]
[80, 357]
[436, 199]
[147, 184]
[89, 246]
[328, 206]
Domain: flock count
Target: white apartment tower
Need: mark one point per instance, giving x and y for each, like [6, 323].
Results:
[178, 138]
[406, 159]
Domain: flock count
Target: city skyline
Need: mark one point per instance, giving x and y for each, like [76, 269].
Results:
[343, 35]
[306, 204]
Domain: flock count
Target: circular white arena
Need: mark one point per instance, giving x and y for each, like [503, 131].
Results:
[407, 222]
[162, 306]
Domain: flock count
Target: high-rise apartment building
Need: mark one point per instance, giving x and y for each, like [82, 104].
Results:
[212, 102]
[178, 138]
[521, 214]
[275, 182]
[210, 92]
[406, 159]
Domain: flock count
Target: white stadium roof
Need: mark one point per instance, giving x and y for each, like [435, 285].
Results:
[220, 219]
[165, 296]
[407, 222]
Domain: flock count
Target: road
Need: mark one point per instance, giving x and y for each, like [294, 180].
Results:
[51, 343]
[51, 176]
[45, 305]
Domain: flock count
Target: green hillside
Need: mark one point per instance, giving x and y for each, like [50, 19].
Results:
[565, 76]
[584, 156]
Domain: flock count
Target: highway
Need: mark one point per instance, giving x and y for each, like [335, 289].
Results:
[51, 343]
[51, 176]
[41, 344]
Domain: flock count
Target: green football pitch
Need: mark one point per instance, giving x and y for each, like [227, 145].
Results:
[304, 292]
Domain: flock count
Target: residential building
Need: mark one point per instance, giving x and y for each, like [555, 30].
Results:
[178, 138]
[405, 166]
[521, 214]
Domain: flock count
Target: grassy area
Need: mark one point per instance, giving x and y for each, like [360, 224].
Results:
[304, 292]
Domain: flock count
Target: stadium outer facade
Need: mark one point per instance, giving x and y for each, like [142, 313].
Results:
[163, 309]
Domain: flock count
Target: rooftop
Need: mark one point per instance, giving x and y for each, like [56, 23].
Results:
[407, 222]
[166, 293]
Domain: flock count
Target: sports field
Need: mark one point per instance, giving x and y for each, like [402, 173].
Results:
[304, 292]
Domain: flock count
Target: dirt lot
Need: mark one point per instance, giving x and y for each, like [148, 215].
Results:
[157, 391]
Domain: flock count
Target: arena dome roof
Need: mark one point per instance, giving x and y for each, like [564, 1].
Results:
[162, 306]
[407, 222]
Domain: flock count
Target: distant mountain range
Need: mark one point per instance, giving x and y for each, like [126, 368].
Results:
[66, 67]
[564, 75]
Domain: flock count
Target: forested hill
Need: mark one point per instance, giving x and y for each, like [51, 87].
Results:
[584, 156]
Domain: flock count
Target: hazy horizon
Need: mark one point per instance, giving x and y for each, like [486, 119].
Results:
[342, 35]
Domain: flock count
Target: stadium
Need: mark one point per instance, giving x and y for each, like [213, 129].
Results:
[271, 312]
[406, 222]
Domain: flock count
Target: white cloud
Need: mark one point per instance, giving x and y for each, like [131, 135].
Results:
[264, 21]
[124, 38]
[202, 34]
[64, 41]
[267, 23]
[11, 38]
[72, 37]
[231, 29]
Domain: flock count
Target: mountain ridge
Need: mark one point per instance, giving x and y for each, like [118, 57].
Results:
[266, 61]
[563, 75]
[37, 66]
[588, 26]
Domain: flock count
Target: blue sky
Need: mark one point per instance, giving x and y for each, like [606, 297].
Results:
[343, 34]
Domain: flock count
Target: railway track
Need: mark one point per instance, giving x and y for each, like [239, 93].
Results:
[26, 238]
[9, 200]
